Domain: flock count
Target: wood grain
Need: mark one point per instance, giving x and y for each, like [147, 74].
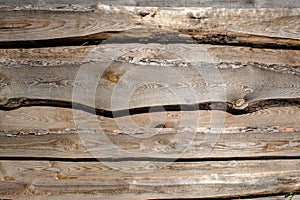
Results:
[269, 26]
[177, 66]
[133, 83]
[148, 145]
[168, 180]
[34, 118]
[194, 134]
[118, 197]
[83, 54]
[168, 3]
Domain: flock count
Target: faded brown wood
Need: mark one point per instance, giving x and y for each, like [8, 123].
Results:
[149, 57]
[152, 144]
[34, 118]
[168, 3]
[185, 180]
[271, 133]
[123, 85]
[81, 54]
[208, 25]
[118, 197]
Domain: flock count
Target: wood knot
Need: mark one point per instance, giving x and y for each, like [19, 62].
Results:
[239, 102]
[8, 178]
[112, 77]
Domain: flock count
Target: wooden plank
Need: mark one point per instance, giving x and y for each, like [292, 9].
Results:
[82, 54]
[168, 3]
[34, 118]
[271, 133]
[152, 144]
[168, 180]
[133, 84]
[208, 25]
[118, 197]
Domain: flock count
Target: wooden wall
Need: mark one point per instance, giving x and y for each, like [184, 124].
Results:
[149, 99]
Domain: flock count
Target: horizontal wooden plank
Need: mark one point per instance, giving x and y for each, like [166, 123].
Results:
[169, 3]
[31, 119]
[167, 180]
[116, 67]
[152, 144]
[133, 84]
[271, 132]
[83, 54]
[118, 197]
[277, 26]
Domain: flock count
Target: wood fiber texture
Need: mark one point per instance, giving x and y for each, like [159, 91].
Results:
[145, 99]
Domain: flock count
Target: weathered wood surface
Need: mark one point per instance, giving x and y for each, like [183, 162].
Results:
[166, 145]
[122, 197]
[120, 74]
[93, 55]
[158, 179]
[30, 119]
[122, 85]
[61, 133]
[272, 27]
[169, 3]
[83, 54]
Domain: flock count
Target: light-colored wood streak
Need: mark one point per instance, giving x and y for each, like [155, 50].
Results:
[152, 144]
[273, 24]
[169, 180]
[211, 53]
[28, 119]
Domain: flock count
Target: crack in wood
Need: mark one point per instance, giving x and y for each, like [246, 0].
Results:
[114, 37]
[241, 94]
[16, 103]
